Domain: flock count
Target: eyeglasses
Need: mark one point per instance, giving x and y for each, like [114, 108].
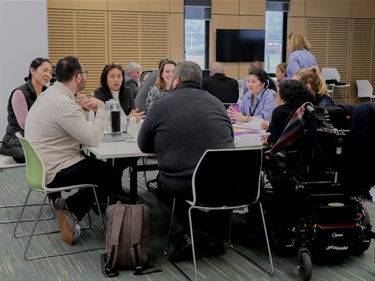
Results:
[85, 71]
[275, 95]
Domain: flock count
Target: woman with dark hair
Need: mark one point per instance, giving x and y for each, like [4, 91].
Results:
[291, 95]
[259, 101]
[162, 84]
[112, 86]
[20, 101]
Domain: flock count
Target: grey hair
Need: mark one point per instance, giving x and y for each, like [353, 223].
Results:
[131, 67]
[188, 71]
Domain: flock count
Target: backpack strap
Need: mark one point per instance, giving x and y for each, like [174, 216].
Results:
[135, 238]
[135, 241]
[108, 266]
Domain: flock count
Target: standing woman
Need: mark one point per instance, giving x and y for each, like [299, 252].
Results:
[259, 101]
[20, 101]
[300, 56]
[162, 84]
[112, 86]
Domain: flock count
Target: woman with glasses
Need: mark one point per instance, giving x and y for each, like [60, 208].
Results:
[19, 104]
[300, 55]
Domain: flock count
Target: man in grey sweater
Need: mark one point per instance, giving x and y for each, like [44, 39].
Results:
[179, 128]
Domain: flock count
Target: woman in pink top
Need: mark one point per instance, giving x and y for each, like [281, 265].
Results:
[19, 104]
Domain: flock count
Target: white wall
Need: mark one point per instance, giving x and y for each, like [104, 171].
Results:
[23, 37]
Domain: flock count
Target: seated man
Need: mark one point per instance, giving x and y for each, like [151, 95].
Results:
[132, 74]
[56, 126]
[219, 85]
[179, 128]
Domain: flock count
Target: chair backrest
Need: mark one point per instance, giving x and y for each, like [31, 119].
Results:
[331, 74]
[141, 97]
[364, 88]
[227, 177]
[35, 170]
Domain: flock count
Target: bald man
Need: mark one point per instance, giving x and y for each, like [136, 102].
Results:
[222, 87]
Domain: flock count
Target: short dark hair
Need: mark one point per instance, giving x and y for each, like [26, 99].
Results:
[35, 64]
[188, 71]
[67, 67]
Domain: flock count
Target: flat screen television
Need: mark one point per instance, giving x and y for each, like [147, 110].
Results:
[240, 45]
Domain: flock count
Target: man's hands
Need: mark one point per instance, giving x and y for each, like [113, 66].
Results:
[90, 104]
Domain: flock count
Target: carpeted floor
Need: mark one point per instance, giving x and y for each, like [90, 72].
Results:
[86, 266]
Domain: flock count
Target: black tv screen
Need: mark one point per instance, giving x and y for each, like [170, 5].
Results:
[239, 45]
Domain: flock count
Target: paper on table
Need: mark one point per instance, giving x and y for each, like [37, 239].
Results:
[254, 124]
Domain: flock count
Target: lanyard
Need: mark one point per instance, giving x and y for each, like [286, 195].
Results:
[253, 112]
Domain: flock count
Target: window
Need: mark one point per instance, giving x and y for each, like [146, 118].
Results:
[274, 41]
[197, 26]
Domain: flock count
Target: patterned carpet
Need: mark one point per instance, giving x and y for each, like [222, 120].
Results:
[86, 266]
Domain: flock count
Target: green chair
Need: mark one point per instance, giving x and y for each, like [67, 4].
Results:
[7, 162]
[35, 178]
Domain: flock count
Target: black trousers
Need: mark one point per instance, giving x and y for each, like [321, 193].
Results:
[89, 170]
[214, 222]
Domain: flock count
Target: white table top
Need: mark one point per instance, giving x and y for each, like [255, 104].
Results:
[125, 149]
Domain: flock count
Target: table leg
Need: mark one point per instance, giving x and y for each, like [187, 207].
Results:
[133, 170]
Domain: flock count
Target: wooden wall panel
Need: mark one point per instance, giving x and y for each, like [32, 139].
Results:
[139, 5]
[330, 41]
[363, 51]
[176, 37]
[98, 5]
[225, 7]
[252, 7]
[141, 38]
[297, 8]
[363, 9]
[329, 8]
[82, 34]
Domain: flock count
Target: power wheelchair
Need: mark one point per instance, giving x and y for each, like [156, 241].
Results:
[311, 205]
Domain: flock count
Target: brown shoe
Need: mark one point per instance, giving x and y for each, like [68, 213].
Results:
[69, 227]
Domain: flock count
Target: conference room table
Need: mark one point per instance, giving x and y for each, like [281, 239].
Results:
[129, 149]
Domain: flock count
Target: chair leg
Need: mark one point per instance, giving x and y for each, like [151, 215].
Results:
[192, 243]
[28, 205]
[32, 234]
[170, 228]
[272, 271]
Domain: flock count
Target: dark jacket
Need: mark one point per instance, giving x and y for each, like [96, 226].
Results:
[10, 144]
[280, 116]
[126, 99]
[132, 84]
[179, 128]
[324, 100]
[222, 87]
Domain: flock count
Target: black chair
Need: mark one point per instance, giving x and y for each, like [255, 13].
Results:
[219, 186]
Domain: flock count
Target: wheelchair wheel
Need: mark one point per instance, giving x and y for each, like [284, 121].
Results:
[363, 240]
[304, 265]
